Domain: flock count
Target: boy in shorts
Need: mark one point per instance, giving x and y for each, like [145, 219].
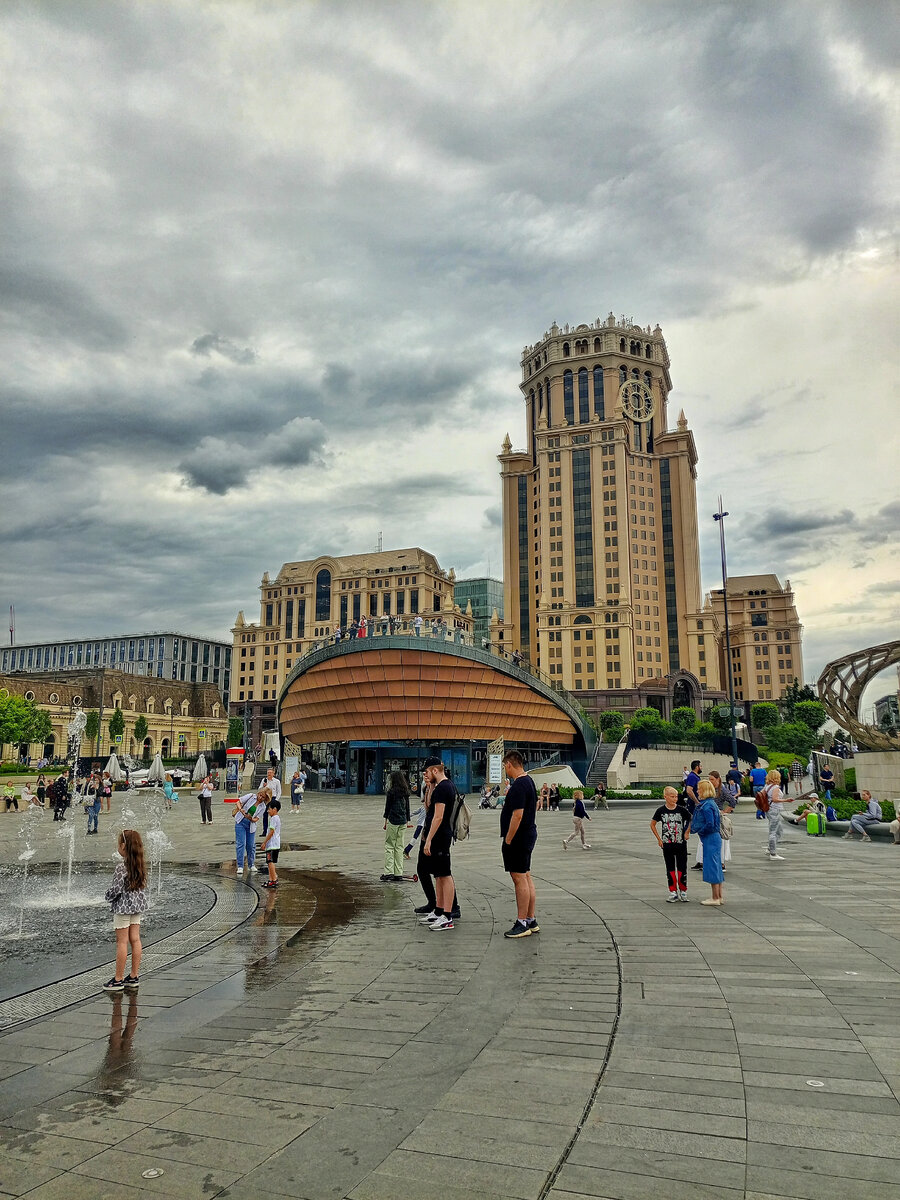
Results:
[272, 842]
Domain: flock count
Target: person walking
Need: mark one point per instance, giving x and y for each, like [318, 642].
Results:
[579, 816]
[92, 803]
[674, 821]
[169, 792]
[797, 774]
[437, 838]
[296, 791]
[758, 780]
[706, 823]
[518, 833]
[871, 815]
[130, 899]
[774, 814]
[204, 794]
[396, 818]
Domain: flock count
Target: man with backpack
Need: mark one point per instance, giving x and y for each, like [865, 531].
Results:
[518, 831]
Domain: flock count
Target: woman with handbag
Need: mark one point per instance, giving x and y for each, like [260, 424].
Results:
[725, 804]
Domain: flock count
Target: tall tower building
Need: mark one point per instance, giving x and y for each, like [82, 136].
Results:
[601, 555]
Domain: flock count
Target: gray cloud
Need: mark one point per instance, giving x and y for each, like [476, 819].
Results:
[210, 342]
[374, 223]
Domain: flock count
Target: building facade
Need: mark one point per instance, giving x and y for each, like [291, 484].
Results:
[306, 600]
[486, 597]
[765, 634]
[166, 655]
[183, 719]
[601, 551]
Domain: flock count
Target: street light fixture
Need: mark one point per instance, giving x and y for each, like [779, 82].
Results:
[720, 517]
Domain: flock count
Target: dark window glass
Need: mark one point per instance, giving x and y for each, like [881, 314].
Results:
[401, 603]
[343, 617]
[414, 600]
[584, 403]
[668, 540]
[301, 619]
[524, 522]
[582, 526]
[288, 618]
[323, 595]
[270, 614]
[599, 405]
[357, 606]
[568, 398]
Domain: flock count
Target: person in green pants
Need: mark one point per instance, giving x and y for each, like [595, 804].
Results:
[396, 818]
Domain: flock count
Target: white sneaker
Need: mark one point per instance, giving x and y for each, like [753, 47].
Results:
[684, 898]
[585, 845]
[429, 917]
[442, 923]
[672, 898]
[565, 844]
[777, 857]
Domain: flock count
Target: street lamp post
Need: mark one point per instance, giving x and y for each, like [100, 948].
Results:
[720, 517]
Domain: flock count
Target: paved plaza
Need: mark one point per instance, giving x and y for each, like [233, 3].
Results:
[319, 1043]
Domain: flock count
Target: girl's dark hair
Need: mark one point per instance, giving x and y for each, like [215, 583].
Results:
[135, 870]
[399, 783]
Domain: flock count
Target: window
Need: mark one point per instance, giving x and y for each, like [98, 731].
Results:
[584, 406]
[583, 528]
[568, 399]
[323, 595]
[599, 405]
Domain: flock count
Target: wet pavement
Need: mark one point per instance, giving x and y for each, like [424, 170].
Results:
[318, 1042]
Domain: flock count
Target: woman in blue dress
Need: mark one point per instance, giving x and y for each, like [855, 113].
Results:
[705, 824]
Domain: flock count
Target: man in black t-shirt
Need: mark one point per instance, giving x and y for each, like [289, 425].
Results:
[437, 837]
[518, 831]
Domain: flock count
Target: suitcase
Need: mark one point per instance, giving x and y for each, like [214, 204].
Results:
[815, 825]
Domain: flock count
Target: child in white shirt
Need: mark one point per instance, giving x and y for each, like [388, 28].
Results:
[272, 842]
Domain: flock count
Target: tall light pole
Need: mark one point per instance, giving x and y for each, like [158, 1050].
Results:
[720, 517]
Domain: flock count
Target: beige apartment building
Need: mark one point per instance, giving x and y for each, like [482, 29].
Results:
[301, 606]
[601, 554]
[765, 634]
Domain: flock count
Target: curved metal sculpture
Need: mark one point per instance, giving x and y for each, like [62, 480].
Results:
[842, 684]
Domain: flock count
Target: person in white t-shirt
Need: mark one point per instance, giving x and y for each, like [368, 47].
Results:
[272, 842]
[249, 809]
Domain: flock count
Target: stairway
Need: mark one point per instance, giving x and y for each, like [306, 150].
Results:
[606, 752]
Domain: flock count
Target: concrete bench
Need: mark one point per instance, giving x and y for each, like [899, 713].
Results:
[881, 830]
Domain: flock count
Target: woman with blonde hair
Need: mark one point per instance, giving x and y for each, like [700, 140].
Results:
[774, 814]
[706, 825]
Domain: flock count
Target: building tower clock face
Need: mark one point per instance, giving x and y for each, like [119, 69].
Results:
[637, 400]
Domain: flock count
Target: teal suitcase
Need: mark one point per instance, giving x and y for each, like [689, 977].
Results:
[815, 824]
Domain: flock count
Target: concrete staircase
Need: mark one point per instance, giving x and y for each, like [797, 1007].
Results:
[606, 751]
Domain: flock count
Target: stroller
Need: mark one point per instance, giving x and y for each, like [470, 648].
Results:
[489, 797]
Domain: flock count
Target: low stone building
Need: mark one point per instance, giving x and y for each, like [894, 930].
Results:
[182, 718]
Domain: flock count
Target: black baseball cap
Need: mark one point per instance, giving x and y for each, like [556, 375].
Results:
[433, 761]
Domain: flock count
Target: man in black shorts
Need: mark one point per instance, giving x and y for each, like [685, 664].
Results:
[518, 831]
[437, 837]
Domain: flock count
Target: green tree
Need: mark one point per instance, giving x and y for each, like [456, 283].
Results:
[794, 694]
[92, 728]
[141, 729]
[811, 713]
[116, 726]
[720, 717]
[235, 732]
[793, 737]
[646, 718]
[22, 721]
[684, 719]
[764, 716]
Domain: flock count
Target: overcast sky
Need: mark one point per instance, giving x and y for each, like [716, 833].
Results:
[268, 270]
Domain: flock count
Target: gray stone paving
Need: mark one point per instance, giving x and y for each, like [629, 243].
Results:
[331, 1047]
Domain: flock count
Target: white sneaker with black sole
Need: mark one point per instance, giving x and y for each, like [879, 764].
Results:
[429, 917]
[442, 922]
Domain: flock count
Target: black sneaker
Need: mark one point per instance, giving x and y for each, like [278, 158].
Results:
[132, 983]
[533, 925]
[114, 985]
[385, 878]
[697, 867]
[519, 930]
[426, 908]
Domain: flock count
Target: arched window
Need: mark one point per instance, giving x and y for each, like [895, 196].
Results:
[638, 439]
[566, 350]
[568, 398]
[621, 345]
[635, 373]
[323, 595]
[584, 402]
[597, 345]
[623, 374]
[184, 708]
[648, 379]
[582, 621]
[547, 401]
[540, 397]
[648, 352]
[215, 710]
[599, 405]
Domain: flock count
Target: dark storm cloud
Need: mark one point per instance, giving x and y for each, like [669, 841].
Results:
[493, 516]
[779, 523]
[217, 466]
[210, 342]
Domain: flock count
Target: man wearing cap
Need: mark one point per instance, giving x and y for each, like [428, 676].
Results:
[734, 776]
[437, 837]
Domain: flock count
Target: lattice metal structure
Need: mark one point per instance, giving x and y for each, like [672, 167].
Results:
[842, 684]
